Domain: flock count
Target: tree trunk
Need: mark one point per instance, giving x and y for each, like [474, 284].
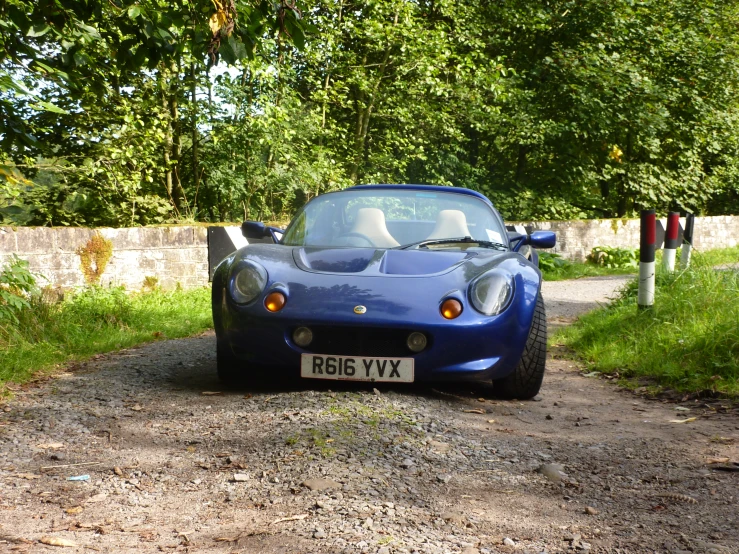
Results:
[523, 150]
[169, 89]
[195, 137]
[167, 151]
[364, 113]
[327, 82]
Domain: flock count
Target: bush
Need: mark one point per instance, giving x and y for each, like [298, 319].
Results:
[555, 268]
[551, 262]
[17, 285]
[622, 258]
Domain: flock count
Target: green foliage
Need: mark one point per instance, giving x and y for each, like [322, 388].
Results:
[13, 187]
[618, 102]
[101, 306]
[90, 45]
[613, 257]
[554, 268]
[93, 321]
[119, 114]
[549, 262]
[688, 342]
[723, 256]
[17, 287]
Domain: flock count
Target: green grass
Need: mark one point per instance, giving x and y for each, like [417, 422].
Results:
[95, 321]
[688, 342]
[721, 256]
[578, 270]
[555, 268]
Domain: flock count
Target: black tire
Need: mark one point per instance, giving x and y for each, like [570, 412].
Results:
[524, 383]
[227, 364]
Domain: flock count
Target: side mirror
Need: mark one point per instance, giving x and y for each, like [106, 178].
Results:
[254, 230]
[542, 239]
[537, 239]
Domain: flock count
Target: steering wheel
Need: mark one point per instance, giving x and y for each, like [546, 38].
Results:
[358, 236]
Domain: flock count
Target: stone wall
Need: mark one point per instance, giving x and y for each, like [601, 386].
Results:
[179, 254]
[575, 239]
[171, 255]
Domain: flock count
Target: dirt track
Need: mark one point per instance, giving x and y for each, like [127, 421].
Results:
[395, 470]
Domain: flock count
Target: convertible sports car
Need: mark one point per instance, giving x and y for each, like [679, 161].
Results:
[393, 283]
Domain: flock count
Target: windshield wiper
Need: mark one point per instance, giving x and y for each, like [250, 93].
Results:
[460, 240]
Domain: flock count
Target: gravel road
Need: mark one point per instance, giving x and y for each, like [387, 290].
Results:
[177, 463]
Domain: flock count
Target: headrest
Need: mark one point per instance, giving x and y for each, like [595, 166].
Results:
[370, 222]
[450, 224]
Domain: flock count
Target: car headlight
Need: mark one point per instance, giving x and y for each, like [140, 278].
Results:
[247, 282]
[491, 293]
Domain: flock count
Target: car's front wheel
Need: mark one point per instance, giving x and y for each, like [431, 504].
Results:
[227, 364]
[524, 383]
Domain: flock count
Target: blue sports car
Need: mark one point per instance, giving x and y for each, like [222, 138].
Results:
[386, 283]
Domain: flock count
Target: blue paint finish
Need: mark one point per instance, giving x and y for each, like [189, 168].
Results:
[401, 289]
[377, 262]
[542, 239]
[333, 260]
[416, 262]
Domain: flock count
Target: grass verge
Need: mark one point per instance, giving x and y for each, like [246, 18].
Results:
[95, 321]
[614, 261]
[721, 256]
[577, 270]
[688, 342]
[555, 268]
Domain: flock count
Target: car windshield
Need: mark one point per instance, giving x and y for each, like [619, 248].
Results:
[391, 218]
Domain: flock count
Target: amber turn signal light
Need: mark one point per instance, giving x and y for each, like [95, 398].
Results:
[275, 301]
[451, 308]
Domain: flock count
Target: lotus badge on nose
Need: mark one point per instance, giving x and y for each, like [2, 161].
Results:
[360, 310]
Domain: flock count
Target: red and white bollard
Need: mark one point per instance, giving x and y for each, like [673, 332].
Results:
[648, 241]
[687, 241]
[671, 242]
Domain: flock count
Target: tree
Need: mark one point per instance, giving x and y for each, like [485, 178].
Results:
[620, 105]
[119, 112]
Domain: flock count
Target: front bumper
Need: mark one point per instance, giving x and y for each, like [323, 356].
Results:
[470, 348]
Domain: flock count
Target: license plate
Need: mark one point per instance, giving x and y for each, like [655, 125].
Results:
[356, 368]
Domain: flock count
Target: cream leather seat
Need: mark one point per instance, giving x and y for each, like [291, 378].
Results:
[370, 222]
[450, 224]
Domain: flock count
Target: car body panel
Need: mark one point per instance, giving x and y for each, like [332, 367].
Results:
[401, 291]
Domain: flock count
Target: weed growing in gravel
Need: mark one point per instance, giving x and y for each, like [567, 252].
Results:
[346, 418]
[95, 321]
[688, 342]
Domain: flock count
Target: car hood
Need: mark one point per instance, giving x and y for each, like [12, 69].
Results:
[324, 283]
[378, 261]
[288, 262]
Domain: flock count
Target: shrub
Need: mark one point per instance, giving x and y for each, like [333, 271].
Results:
[17, 285]
[551, 262]
[607, 256]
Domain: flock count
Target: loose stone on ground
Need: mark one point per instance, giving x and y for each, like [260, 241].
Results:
[337, 468]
